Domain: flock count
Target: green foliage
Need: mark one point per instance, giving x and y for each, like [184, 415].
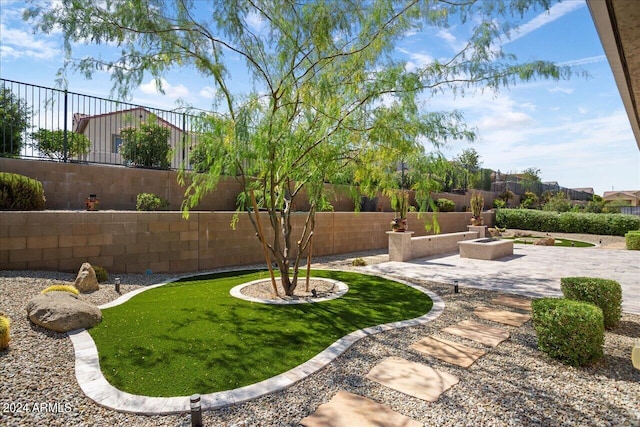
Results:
[531, 180]
[506, 195]
[569, 331]
[528, 200]
[255, 341]
[477, 204]
[315, 104]
[20, 193]
[499, 203]
[51, 143]
[614, 206]
[14, 120]
[567, 222]
[604, 293]
[5, 332]
[150, 202]
[557, 203]
[146, 145]
[632, 240]
[61, 288]
[101, 273]
[446, 205]
[359, 262]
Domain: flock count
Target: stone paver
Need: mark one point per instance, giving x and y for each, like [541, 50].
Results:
[532, 271]
[513, 302]
[449, 351]
[348, 409]
[478, 332]
[502, 316]
[414, 379]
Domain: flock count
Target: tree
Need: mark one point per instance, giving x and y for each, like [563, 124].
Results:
[469, 159]
[328, 91]
[531, 180]
[14, 121]
[51, 143]
[146, 144]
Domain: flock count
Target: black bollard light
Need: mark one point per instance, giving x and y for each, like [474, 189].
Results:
[455, 287]
[117, 281]
[196, 411]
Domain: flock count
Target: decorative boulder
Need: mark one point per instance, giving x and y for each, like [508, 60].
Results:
[86, 281]
[62, 312]
[546, 241]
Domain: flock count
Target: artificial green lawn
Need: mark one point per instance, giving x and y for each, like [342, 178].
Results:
[192, 336]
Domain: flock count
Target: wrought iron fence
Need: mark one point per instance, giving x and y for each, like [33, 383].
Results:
[38, 122]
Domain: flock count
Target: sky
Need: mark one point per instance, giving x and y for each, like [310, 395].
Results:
[575, 131]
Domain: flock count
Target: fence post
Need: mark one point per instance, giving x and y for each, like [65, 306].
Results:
[64, 139]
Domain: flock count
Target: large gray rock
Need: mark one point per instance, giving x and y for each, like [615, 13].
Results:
[62, 312]
[86, 280]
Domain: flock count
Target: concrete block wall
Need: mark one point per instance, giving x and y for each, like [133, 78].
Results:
[134, 242]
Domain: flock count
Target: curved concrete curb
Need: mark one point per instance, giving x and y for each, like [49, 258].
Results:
[96, 387]
[341, 286]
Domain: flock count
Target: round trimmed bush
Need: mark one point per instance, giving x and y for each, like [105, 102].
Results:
[101, 273]
[445, 205]
[569, 331]
[20, 193]
[604, 293]
[632, 239]
[5, 336]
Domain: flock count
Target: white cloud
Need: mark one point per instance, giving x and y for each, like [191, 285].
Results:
[255, 21]
[557, 89]
[17, 43]
[207, 92]
[507, 120]
[583, 61]
[556, 11]
[171, 91]
[417, 59]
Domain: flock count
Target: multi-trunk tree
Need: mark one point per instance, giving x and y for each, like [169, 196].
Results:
[330, 93]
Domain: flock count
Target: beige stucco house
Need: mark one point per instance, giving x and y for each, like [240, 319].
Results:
[103, 130]
[631, 197]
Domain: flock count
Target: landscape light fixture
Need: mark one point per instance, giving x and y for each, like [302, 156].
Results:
[117, 281]
[196, 411]
[455, 287]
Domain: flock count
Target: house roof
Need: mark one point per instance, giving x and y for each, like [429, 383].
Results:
[633, 194]
[80, 121]
[585, 190]
[617, 24]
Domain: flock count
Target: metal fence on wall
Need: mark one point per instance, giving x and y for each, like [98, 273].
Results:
[514, 184]
[28, 109]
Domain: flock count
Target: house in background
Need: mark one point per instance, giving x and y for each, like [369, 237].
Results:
[103, 130]
[631, 197]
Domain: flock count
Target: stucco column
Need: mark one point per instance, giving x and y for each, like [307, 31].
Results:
[480, 229]
[399, 245]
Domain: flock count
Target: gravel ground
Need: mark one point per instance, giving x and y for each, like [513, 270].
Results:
[512, 385]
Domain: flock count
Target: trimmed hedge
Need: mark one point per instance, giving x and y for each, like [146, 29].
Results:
[569, 331]
[20, 193]
[604, 293]
[567, 222]
[445, 205]
[632, 239]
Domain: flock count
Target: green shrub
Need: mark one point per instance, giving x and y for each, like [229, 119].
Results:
[150, 202]
[20, 193]
[445, 205]
[5, 332]
[569, 331]
[567, 222]
[61, 288]
[604, 293]
[146, 145]
[51, 143]
[101, 273]
[632, 239]
[359, 262]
